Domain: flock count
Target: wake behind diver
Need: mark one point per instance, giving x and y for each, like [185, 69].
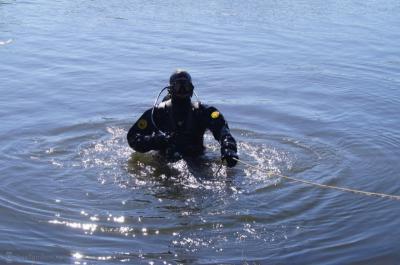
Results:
[176, 126]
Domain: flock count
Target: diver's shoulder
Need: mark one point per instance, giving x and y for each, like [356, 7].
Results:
[147, 111]
[164, 104]
[207, 108]
[211, 113]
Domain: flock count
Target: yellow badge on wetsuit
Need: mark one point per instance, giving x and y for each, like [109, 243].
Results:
[215, 114]
[142, 124]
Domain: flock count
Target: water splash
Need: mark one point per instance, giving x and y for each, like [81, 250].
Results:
[190, 192]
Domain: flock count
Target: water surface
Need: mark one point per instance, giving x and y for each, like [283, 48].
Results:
[310, 90]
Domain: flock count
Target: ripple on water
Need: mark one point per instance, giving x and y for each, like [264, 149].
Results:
[185, 190]
[99, 189]
[5, 42]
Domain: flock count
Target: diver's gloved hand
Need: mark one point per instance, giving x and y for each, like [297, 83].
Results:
[172, 154]
[161, 141]
[229, 157]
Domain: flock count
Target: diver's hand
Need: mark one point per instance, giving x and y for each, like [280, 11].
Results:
[162, 140]
[229, 157]
[172, 154]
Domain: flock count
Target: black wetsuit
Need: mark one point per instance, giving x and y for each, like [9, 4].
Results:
[185, 122]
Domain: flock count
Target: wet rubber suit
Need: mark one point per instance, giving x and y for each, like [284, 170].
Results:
[184, 122]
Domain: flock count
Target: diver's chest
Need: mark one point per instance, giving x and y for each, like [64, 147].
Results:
[188, 123]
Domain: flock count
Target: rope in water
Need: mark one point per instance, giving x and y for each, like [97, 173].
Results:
[367, 193]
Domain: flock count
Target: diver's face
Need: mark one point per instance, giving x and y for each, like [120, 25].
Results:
[182, 89]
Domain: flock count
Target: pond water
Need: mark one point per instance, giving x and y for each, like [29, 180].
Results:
[310, 91]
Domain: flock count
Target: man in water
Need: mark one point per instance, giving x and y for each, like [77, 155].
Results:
[176, 126]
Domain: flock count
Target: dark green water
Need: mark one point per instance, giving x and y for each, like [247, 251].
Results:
[310, 90]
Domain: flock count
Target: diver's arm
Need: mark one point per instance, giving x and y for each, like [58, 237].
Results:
[219, 127]
[142, 136]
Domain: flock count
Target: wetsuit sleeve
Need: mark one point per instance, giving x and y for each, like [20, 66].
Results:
[216, 123]
[142, 136]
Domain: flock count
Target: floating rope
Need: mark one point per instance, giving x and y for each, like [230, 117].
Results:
[361, 192]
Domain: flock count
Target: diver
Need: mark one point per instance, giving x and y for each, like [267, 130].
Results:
[176, 126]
